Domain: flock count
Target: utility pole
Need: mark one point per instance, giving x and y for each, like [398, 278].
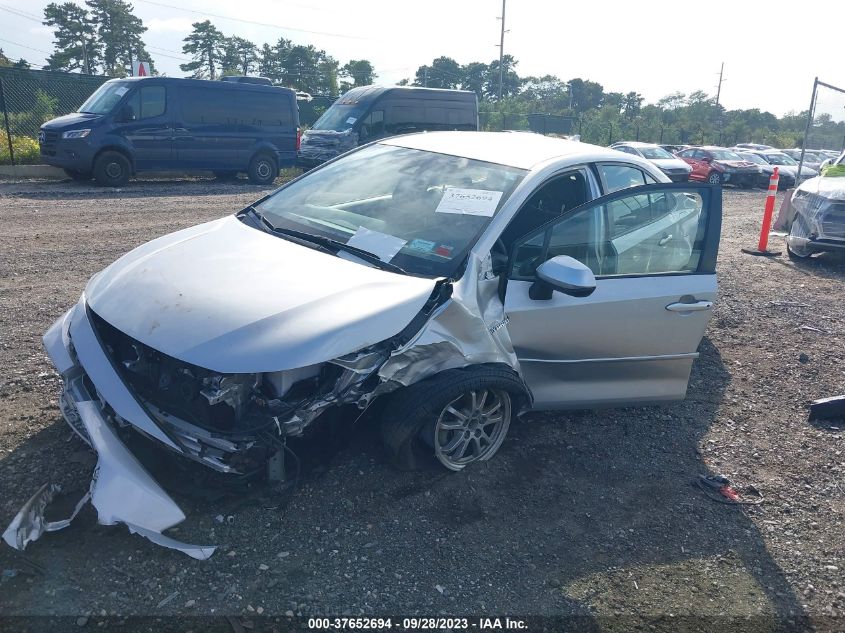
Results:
[719, 87]
[425, 78]
[502, 50]
[85, 68]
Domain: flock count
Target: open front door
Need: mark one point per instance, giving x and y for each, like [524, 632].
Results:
[633, 340]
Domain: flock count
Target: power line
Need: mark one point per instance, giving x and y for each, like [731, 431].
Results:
[20, 14]
[37, 50]
[253, 22]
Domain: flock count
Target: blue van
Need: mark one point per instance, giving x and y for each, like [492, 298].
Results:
[161, 124]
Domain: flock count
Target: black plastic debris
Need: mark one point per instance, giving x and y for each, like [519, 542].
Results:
[828, 408]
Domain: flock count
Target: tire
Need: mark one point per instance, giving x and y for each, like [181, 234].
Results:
[79, 176]
[796, 256]
[112, 169]
[714, 178]
[226, 176]
[262, 170]
[419, 429]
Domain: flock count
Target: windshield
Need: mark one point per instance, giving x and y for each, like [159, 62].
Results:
[780, 159]
[754, 159]
[654, 153]
[418, 210]
[340, 117]
[105, 98]
[725, 154]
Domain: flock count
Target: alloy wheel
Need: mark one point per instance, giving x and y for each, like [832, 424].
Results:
[472, 427]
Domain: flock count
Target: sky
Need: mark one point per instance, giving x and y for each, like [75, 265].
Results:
[771, 50]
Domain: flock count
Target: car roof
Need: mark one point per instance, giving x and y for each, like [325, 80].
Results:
[636, 144]
[523, 151]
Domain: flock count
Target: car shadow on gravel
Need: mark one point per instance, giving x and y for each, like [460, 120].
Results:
[597, 513]
[592, 514]
[134, 189]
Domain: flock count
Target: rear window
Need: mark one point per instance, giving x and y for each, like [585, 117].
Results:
[263, 109]
[207, 106]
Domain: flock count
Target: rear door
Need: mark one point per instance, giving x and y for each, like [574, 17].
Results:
[148, 125]
[206, 136]
[653, 250]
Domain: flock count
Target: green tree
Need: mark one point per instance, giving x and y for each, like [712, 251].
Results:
[473, 77]
[360, 72]
[443, 72]
[206, 45]
[240, 56]
[311, 70]
[119, 32]
[74, 38]
[5, 62]
[510, 80]
[631, 104]
[586, 95]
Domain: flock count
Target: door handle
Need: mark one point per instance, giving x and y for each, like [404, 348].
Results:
[663, 241]
[689, 307]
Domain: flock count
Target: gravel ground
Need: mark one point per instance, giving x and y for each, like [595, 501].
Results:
[589, 513]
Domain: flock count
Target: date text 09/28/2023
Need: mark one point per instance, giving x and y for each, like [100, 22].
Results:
[417, 623]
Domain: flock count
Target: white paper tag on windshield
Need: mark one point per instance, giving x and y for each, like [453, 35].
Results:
[380, 244]
[121, 91]
[351, 120]
[469, 201]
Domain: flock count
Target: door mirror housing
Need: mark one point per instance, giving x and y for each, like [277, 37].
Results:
[706, 159]
[564, 274]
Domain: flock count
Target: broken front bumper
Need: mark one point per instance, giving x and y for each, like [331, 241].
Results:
[121, 490]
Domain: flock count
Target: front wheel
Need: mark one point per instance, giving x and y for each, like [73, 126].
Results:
[456, 418]
[112, 169]
[262, 170]
[714, 178]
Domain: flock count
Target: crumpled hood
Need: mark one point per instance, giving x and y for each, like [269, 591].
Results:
[737, 164]
[70, 120]
[326, 144]
[832, 188]
[233, 299]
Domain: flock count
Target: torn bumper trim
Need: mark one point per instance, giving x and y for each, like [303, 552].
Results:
[121, 491]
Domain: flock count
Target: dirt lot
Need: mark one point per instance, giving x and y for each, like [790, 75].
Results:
[592, 514]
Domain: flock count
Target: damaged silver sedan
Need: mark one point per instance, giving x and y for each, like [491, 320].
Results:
[457, 279]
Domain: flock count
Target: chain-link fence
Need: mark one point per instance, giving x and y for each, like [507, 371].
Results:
[534, 122]
[28, 98]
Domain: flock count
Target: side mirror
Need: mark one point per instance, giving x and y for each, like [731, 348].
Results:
[706, 159]
[564, 274]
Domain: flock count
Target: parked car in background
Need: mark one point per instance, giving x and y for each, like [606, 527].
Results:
[812, 158]
[718, 165]
[787, 166]
[817, 221]
[161, 124]
[754, 146]
[766, 170]
[369, 113]
[669, 164]
[674, 149]
[457, 278]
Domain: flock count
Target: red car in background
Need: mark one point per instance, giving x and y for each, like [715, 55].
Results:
[718, 165]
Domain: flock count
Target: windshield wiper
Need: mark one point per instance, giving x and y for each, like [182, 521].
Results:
[331, 245]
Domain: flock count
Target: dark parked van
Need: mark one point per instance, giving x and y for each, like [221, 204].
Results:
[372, 112]
[161, 124]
